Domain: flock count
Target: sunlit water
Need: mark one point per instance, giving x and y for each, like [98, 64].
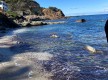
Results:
[71, 60]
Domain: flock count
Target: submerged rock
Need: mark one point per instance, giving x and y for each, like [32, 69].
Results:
[54, 36]
[90, 49]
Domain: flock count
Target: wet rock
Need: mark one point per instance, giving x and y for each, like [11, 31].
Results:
[60, 22]
[54, 36]
[19, 19]
[99, 51]
[81, 20]
[90, 49]
[25, 24]
[37, 23]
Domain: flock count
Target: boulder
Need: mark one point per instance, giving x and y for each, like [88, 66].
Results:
[90, 49]
[37, 23]
[81, 20]
[25, 24]
[19, 19]
[54, 36]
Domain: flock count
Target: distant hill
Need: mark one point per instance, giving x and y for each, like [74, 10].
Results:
[31, 7]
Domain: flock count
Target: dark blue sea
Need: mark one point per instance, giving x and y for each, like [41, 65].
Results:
[71, 60]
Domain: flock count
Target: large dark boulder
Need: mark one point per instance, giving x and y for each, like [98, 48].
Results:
[81, 20]
[5, 22]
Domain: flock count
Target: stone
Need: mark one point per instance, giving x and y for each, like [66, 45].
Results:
[24, 24]
[81, 20]
[54, 36]
[37, 23]
[90, 49]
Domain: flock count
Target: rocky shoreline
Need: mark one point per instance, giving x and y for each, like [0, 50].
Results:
[15, 66]
[38, 23]
[8, 23]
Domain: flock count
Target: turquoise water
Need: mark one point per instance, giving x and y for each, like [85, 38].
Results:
[71, 60]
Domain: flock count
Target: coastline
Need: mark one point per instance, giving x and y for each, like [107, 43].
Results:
[38, 23]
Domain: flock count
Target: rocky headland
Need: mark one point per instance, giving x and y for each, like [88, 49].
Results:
[28, 13]
[31, 7]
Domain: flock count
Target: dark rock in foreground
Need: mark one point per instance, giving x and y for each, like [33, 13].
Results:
[53, 13]
[5, 22]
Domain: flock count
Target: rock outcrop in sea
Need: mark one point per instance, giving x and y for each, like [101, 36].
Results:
[81, 20]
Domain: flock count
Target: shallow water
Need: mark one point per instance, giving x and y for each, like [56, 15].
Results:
[71, 60]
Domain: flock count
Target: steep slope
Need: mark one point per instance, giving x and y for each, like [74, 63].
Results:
[53, 13]
[31, 7]
[26, 6]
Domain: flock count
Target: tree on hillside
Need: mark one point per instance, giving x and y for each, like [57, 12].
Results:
[27, 6]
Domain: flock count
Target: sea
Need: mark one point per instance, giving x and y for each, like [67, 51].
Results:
[71, 61]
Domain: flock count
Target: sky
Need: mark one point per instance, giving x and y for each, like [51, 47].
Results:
[77, 7]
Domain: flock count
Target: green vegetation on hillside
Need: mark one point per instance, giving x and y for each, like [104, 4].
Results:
[31, 7]
[26, 6]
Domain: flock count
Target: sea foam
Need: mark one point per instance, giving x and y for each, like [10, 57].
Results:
[19, 31]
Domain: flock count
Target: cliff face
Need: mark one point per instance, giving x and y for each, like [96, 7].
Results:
[53, 13]
[31, 7]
